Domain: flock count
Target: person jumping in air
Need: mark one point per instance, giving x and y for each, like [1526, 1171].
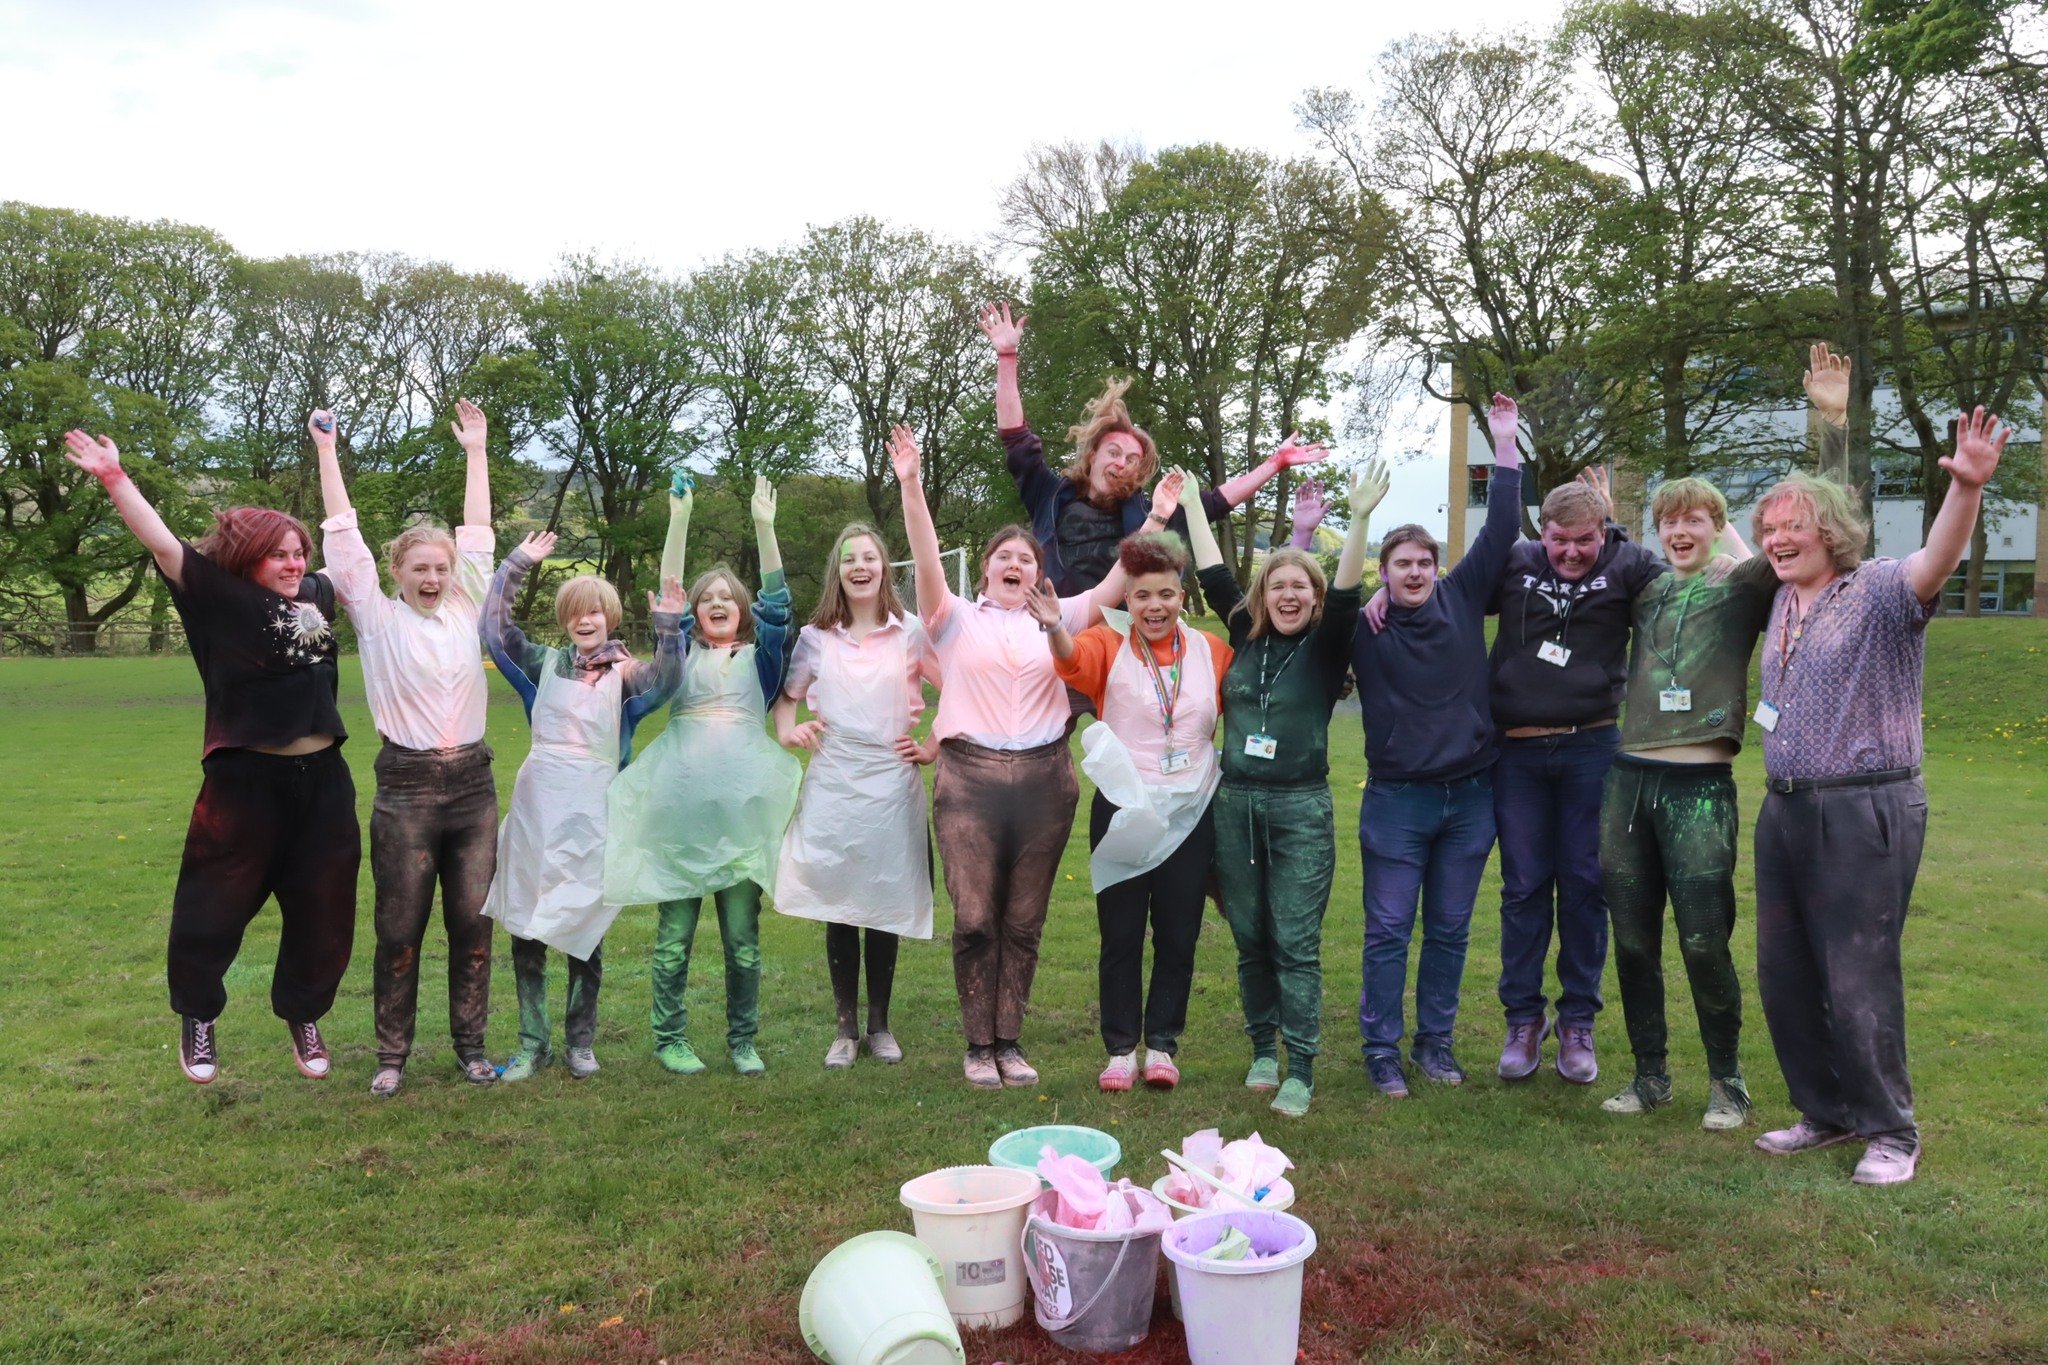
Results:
[703, 811]
[583, 702]
[858, 854]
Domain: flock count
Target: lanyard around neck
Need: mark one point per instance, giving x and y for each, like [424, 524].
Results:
[1266, 688]
[1167, 701]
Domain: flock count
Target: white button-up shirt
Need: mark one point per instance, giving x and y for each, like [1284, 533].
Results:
[423, 671]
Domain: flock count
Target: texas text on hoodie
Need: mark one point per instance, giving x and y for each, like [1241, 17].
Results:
[1560, 653]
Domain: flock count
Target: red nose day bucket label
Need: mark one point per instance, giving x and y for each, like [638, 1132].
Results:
[1055, 1289]
[980, 1274]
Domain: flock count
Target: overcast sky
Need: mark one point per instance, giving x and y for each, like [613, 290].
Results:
[497, 136]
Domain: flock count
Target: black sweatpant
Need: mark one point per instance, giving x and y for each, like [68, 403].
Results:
[843, 957]
[1834, 875]
[1170, 897]
[267, 825]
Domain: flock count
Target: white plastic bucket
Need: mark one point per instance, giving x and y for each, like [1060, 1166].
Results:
[876, 1299]
[1241, 1312]
[1180, 1211]
[971, 1217]
[1092, 1290]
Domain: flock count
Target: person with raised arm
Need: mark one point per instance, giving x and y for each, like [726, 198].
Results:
[1004, 790]
[858, 853]
[1276, 846]
[1668, 813]
[1157, 685]
[702, 814]
[1839, 838]
[1082, 513]
[583, 702]
[435, 817]
[276, 811]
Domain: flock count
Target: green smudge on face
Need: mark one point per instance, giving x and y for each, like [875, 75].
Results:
[846, 554]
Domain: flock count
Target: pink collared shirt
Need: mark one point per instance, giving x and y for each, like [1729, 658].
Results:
[997, 686]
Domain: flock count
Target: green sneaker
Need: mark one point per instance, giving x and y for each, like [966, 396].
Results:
[1640, 1096]
[522, 1064]
[1264, 1075]
[1727, 1105]
[680, 1058]
[748, 1062]
[1292, 1101]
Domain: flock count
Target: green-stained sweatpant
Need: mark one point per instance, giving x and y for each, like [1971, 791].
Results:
[739, 928]
[1276, 851]
[530, 981]
[1669, 828]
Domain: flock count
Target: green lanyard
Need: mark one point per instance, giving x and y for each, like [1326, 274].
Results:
[1670, 661]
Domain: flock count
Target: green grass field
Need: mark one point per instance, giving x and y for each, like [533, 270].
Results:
[641, 1217]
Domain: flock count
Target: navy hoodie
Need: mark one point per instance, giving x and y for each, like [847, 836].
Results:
[1590, 618]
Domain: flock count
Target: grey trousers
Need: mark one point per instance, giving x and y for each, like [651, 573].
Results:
[1834, 875]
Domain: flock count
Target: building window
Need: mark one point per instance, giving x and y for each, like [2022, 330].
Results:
[1897, 479]
[2007, 588]
[1476, 477]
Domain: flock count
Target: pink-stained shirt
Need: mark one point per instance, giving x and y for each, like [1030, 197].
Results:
[997, 686]
[423, 671]
[860, 660]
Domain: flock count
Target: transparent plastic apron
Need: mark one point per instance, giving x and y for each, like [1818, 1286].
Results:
[1123, 755]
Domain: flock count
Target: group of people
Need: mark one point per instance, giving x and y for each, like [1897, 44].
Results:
[1593, 741]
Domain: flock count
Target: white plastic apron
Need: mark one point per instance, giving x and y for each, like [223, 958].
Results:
[550, 879]
[1121, 754]
[858, 852]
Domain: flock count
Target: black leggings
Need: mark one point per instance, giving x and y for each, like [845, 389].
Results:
[1170, 895]
[843, 960]
[267, 825]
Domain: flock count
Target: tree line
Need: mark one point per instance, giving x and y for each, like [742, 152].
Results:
[1632, 223]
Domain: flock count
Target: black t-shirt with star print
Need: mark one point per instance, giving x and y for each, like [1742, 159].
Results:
[267, 662]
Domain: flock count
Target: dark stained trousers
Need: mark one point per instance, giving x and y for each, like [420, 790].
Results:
[530, 984]
[843, 958]
[1546, 811]
[1002, 818]
[1834, 875]
[1276, 853]
[1668, 829]
[435, 819]
[266, 825]
[1170, 898]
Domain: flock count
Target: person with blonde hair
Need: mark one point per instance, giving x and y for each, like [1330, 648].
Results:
[435, 817]
[702, 813]
[583, 702]
[857, 855]
[1082, 513]
[1276, 846]
[1844, 819]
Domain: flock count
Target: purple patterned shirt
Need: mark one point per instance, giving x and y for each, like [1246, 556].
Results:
[1848, 695]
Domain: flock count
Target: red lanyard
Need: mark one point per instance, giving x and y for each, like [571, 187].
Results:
[1167, 702]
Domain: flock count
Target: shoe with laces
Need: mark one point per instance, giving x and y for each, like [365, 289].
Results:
[679, 1059]
[980, 1069]
[1387, 1075]
[1727, 1105]
[1640, 1096]
[387, 1081]
[840, 1055]
[1576, 1061]
[1433, 1058]
[748, 1062]
[522, 1064]
[1160, 1072]
[196, 1050]
[477, 1069]
[1264, 1076]
[1522, 1053]
[1013, 1068]
[582, 1063]
[309, 1050]
[1803, 1136]
[1886, 1162]
[884, 1048]
[1117, 1075]
[1292, 1101]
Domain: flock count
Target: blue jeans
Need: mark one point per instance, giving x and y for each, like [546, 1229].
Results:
[1431, 839]
[1546, 802]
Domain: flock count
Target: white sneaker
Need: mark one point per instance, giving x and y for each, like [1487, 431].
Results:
[582, 1063]
[1117, 1075]
[1886, 1163]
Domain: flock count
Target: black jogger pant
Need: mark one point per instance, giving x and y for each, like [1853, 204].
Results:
[1170, 897]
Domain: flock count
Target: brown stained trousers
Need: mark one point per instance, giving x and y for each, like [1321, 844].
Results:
[1002, 818]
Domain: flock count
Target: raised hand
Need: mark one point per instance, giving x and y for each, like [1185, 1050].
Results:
[1166, 493]
[805, 736]
[1309, 508]
[96, 455]
[1503, 420]
[1043, 604]
[682, 484]
[1980, 443]
[903, 454]
[1594, 476]
[1004, 333]
[1292, 452]
[671, 600]
[320, 426]
[470, 426]
[763, 505]
[1368, 486]
[538, 546]
[1827, 383]
[1190, 492]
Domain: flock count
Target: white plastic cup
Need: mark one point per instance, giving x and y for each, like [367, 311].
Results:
[971, 1218]
[876, 1299]
[1241, 1312]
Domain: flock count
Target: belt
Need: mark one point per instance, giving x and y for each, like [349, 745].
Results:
[1785, 786]
[1540, 731]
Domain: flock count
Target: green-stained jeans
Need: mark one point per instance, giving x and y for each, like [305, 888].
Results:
[1668, 829]
[530, 981]
[1276, 851]
[739, 928]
